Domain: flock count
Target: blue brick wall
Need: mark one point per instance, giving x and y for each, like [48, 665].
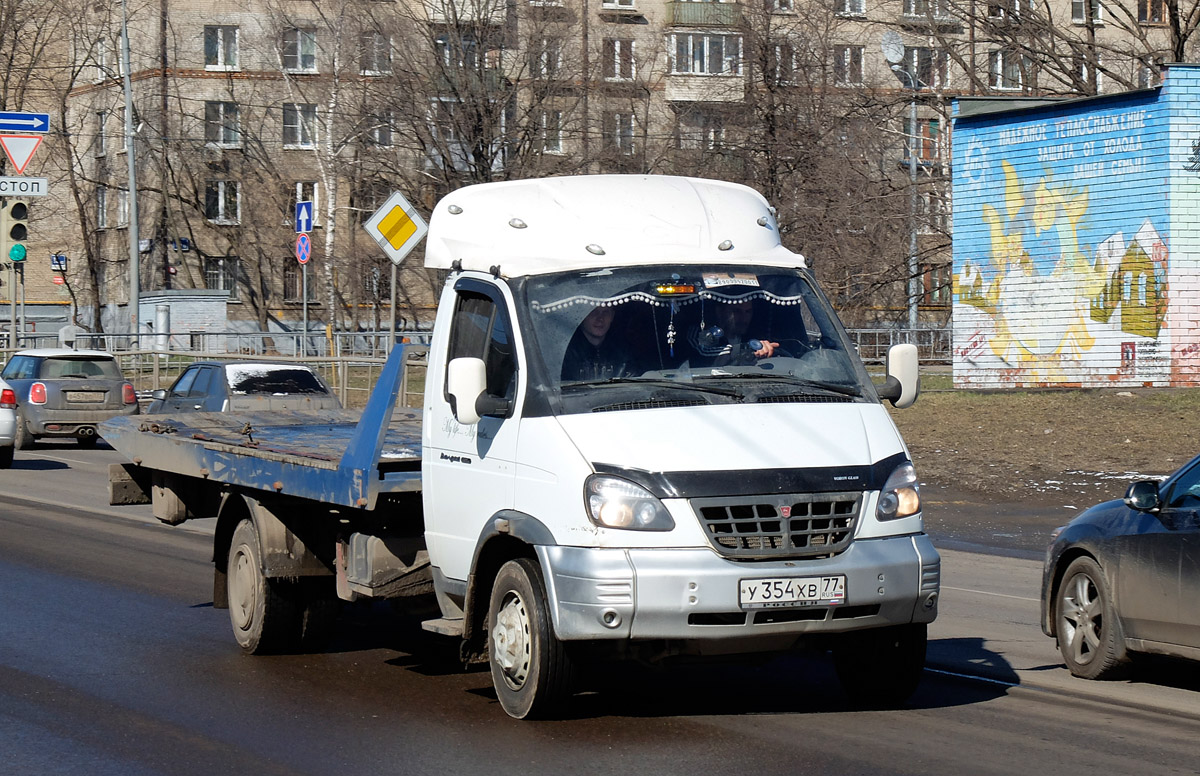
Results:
[1073, 232]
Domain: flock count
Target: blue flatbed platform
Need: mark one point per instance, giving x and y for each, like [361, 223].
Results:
[338, 457]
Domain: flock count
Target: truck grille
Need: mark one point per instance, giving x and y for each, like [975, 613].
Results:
[786, 526]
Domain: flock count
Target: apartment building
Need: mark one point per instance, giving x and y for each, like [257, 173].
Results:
[242, 109]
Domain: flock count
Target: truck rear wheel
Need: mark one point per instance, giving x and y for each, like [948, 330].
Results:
[531, 670]
[881, 667]
[264, 616]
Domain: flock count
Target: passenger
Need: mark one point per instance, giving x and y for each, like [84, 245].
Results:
[592, 353]
[728, 343]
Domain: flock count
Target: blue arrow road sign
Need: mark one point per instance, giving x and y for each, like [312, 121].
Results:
[304, 217]
[12, 121]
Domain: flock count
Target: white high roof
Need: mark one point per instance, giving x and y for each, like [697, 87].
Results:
[634, 219]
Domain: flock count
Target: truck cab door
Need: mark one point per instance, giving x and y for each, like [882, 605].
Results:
[469, 471]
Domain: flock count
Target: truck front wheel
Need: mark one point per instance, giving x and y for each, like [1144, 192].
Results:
[881, 667]
[531, 670]
[265, 618]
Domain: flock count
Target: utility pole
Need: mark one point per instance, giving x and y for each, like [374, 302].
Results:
[130, 147]
[894, 52]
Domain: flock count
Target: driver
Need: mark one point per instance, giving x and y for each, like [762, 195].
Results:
[733, 345]
[594, 352]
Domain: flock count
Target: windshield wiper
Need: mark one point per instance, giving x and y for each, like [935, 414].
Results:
[831, 387]
[658, 383]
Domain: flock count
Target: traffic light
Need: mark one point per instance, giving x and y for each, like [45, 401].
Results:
[14, 228]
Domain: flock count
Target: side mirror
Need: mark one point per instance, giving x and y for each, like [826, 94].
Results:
[1143, 496]
[159, 394]
[903, 383]
[466, 380]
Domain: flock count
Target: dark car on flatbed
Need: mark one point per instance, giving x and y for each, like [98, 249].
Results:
[64, 393]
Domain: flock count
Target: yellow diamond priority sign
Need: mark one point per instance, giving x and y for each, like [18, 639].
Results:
[397, 227]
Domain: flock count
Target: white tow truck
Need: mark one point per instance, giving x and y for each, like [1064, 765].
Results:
[645, 435]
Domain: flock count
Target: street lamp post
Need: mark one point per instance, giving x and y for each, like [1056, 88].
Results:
[130, 146]
[893, 52]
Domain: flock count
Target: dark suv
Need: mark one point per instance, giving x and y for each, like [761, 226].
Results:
[65, 393]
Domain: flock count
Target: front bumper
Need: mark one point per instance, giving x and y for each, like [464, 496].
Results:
[692, 594]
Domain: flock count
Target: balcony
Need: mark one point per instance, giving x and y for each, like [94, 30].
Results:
[704, 14]
[466, 11]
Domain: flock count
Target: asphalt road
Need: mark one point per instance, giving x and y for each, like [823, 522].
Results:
[113, 661]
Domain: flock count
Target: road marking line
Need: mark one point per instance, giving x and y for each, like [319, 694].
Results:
[973, 677]
[986, 592]
[57, 458]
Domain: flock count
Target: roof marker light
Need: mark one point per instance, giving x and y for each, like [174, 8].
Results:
[727, 245]
[517, 223]
[595, 249]
[454, 210]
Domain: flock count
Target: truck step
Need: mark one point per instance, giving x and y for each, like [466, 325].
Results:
[444, 626]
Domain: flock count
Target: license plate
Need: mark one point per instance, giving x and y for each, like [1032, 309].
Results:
[84, 397]
[791, 591]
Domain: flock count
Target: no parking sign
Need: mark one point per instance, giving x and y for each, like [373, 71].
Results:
[303, 248]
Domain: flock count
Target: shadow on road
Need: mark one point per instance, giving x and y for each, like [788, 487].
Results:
[37, 464]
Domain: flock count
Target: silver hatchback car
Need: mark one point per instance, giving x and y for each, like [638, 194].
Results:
[65, 393]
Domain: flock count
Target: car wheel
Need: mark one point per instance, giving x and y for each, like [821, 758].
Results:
[531, 671]
[265, 618]
[881, 667]
[1089, 631]
[22, 439]
[6, 457]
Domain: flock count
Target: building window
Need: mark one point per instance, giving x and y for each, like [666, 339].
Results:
[1079, 11]
[850, 7]
[546, 58]
[848, 65]
[101, 207]
[1006, 70]
[379, 129]
[1084, 70]
[302, 191]
[222, 202]
[552, 142]
[1152, 11]
[923, 8]
[701, 132]
[221, 273]
[782, 6]
[937, 290]
[627, 4]
[122, 207]
[618, 132]
[376, 52]
[928, 139]
[456, 53]
[221, 124]
[1005, 9]
[1148, 76]
[705, 54]
[101, 136]
[926, 67]
[220, 48]
[293, 283]
[781, 63]
[300, 50]
[618, 59]
[299, 125]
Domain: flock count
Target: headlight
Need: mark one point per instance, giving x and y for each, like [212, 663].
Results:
[901, 494]
[616, 503]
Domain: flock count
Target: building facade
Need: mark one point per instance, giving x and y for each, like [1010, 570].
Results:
[241, 110]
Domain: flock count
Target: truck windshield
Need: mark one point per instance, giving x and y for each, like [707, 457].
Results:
[671, 334]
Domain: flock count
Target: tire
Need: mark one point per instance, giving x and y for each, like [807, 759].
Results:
[6, 457]
[87, 442]
[1089, 632]
[531, 671]
[22, 439]
[881, 668]
[266, 614]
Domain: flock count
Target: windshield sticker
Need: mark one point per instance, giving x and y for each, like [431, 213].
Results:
[719, 279]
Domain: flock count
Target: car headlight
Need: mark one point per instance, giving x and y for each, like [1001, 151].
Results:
[616, 503]
[901, 494]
